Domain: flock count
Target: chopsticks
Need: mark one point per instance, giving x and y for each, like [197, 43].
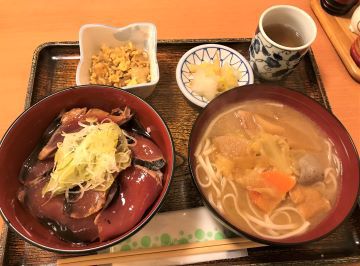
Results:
[161, 252]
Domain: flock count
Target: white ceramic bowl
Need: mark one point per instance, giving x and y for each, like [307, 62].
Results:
[206, 53]
[355, 21]
[142, 35]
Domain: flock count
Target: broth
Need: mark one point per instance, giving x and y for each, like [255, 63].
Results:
[268, 169]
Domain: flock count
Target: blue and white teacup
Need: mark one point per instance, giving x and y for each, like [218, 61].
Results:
[271, 60]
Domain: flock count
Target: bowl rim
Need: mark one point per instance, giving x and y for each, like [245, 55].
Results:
[115, 29]
[141, 223]
[183, 58]
[239, 231]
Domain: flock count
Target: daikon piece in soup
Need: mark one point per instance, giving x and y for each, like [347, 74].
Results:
[268, 169]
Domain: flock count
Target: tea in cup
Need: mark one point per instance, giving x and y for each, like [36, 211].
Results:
[283, 37]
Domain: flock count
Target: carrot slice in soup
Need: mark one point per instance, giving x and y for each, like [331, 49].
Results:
[273, 180]
[282, 182]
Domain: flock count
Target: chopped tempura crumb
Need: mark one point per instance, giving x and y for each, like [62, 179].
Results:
[120, 66]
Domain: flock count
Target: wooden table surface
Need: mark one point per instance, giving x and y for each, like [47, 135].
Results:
[26, 24]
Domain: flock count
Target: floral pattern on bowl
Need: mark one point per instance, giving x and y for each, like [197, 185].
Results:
[207, 53]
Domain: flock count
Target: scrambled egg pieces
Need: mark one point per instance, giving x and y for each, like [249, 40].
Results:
[120, 66]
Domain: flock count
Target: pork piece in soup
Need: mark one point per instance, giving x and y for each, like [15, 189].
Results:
[268, 169]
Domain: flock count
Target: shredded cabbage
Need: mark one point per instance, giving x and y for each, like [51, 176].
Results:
[275, 148]
[89, 159]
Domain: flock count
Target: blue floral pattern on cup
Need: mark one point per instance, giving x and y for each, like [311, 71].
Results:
[271, 62]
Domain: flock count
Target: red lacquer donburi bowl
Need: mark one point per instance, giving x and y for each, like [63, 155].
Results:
[344, 146]
[25, 133]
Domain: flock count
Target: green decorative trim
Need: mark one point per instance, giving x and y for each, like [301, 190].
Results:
[166, 239]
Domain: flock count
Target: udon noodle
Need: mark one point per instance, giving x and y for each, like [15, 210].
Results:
[268, 169]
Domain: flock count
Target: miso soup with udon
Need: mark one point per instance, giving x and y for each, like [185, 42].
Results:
[268, 169]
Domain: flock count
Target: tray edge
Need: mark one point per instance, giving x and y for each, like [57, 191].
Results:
[319, 80]
[3, 242]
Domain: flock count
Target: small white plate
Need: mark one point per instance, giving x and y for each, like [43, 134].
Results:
[206, 53]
